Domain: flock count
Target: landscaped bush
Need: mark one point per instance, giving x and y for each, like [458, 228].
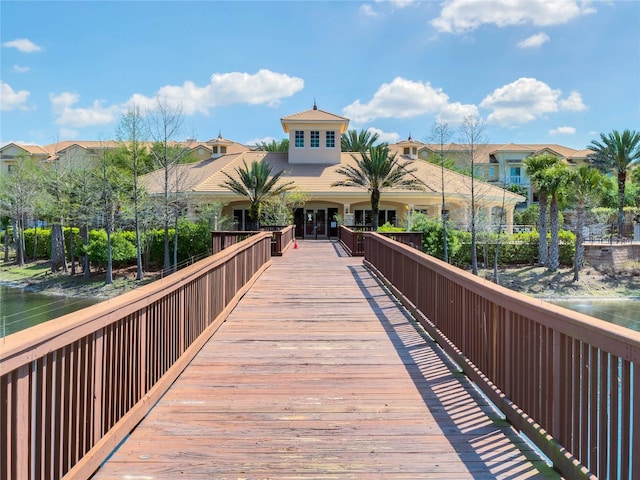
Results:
[123, 251]
[516, 249]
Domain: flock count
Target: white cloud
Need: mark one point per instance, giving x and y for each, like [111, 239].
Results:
[20, 69]
[23, 44]
[10, 99]
[70, 116]
[573, 103]
[404, 98]
[534, 41]
[562, 131]
[368, 10]
[460, 16]
[256, 141]
[263, 87]
[384, 137]
[525, 100]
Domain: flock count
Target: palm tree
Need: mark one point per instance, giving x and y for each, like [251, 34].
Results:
[274, 146]
[555, 179]
[257, 184]
[617, 152]
[354, 141]
[584, 184]
[535, 166]
[375, 171]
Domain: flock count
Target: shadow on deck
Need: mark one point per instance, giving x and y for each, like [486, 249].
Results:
[320, 373]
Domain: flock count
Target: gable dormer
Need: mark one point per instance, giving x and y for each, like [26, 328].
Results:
[409, 148]
[314, 136]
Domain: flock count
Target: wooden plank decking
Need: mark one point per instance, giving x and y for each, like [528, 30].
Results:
[318, 374]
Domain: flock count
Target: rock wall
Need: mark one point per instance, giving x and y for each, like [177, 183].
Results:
[610, 256]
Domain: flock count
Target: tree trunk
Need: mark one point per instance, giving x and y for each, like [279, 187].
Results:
[17, 241]
[175, 245]
[375, 209]
[578, 260]
[58, 260]
[622, 180]
[72, 253]
[543, 249]
[86, 266]
[554, 250]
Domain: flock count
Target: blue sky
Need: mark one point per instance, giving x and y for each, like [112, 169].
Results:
[534, 71]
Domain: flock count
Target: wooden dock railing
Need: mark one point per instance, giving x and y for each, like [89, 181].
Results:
[352, 238]
[73, 388]
[281, 238]
[569, 382]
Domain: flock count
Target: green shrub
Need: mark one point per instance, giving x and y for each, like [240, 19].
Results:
[123, 251]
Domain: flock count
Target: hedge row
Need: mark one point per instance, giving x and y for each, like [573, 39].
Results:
[193, 240]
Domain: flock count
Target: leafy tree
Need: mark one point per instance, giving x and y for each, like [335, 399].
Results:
[616, 152]
[375, 171]
[535, 167]
[354, 141]
[274, 146]
[584, 185]
[278, 210]
[256, 183]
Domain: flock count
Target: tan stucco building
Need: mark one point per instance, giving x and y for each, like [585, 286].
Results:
[311, 163]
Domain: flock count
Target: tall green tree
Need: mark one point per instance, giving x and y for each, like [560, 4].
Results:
[535, 167]
[584, 185]
[257, 184]
[616, 152]
[555, 180]
[354, 141]
[375, 171]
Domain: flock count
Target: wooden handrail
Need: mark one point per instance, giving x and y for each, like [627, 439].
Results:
[352, 238]
[73, 388]
[568, 381]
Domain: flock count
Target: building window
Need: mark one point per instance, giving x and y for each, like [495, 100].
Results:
[10, 168]
[215, 149]
[223, 150]
[299, 139]
[414, 150]
[314, 141]
[330, 139]
[515, 175]
[405, 151]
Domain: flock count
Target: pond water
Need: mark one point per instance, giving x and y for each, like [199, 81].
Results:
[20, 308]
[621, 312]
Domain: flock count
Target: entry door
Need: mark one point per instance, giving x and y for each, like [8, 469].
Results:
[315, 223]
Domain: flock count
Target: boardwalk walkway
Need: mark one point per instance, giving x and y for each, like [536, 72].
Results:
[318, 374]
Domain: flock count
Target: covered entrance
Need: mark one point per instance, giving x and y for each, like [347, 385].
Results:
[315, 223]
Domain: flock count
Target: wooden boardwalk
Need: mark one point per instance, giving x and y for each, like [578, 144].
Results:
[319, 374]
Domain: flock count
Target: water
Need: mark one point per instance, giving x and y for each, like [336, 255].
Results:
[20, 309]
[621, 312]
